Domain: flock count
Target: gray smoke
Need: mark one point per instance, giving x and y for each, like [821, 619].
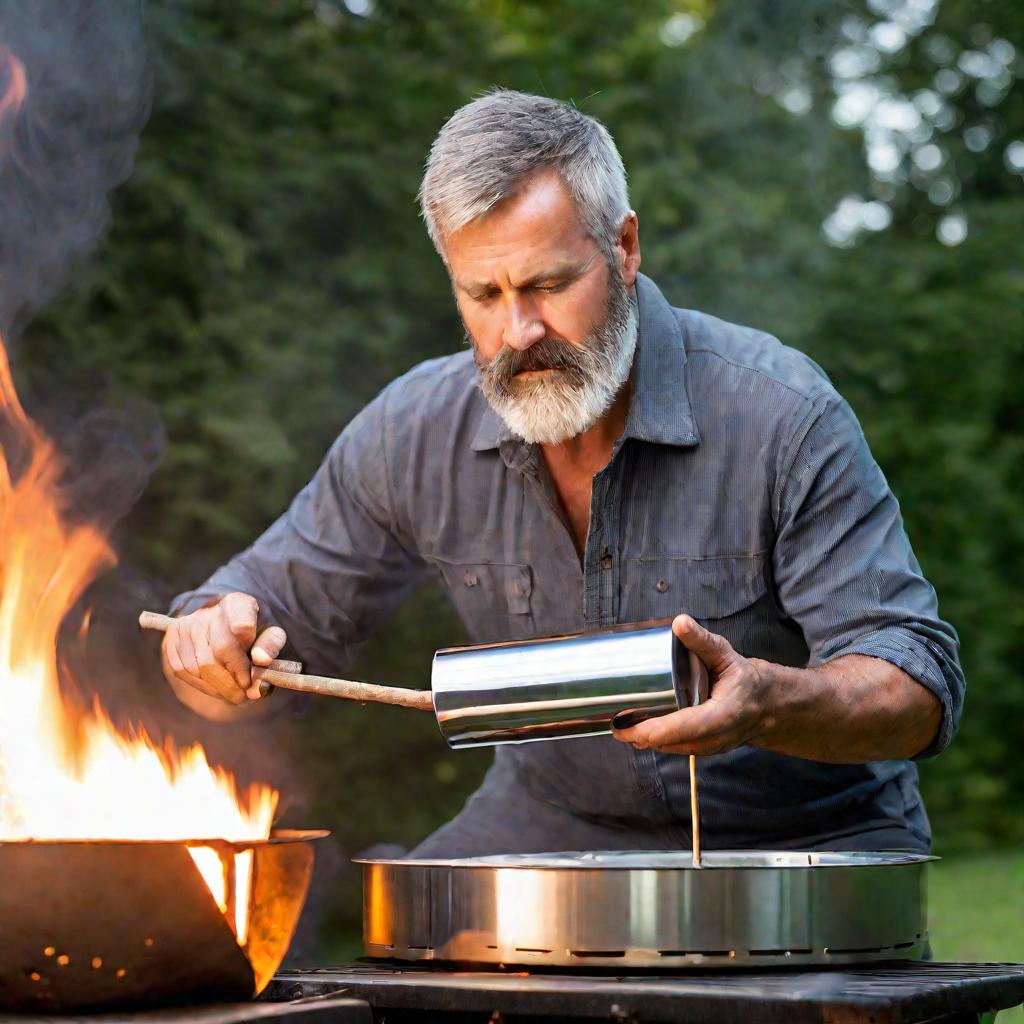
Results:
[70, 143]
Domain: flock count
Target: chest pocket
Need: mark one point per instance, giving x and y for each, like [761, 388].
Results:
[493, 599]
[728, 594]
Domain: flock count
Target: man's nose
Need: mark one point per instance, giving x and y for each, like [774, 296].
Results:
[523, 326]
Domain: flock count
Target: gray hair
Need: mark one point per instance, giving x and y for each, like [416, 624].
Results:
[488, 148]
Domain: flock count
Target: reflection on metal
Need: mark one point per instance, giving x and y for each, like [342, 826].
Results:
[101, 923]
[652, 909]
[564, 686]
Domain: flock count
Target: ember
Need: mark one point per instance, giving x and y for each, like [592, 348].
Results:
[67, 773]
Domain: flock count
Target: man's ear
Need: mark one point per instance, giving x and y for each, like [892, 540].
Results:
[628, 246]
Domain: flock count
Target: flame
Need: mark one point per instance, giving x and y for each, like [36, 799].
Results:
[13, 92]
[66, 773]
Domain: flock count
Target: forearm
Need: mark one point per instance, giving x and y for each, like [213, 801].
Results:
[851, 710]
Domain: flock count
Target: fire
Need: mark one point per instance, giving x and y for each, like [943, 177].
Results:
[68, 774]
[12, 81]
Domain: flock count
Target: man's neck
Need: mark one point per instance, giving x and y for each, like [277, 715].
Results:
[592, 449]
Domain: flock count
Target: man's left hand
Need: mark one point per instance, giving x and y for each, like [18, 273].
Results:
[733, 714]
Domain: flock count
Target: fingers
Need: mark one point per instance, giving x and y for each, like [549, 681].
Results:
[227, 648]
[726, 720]
[209, 649]
[240, 612]
[706, 729]
[183, 662]
[220, 682]
[715, 651]
[173, 664]
[267, 647]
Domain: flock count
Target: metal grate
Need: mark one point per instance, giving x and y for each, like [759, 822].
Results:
[895, 993]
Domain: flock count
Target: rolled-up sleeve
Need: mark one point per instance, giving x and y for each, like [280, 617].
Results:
[843, 566]
[334, 565]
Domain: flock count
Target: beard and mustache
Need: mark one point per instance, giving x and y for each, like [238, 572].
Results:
[582, 385]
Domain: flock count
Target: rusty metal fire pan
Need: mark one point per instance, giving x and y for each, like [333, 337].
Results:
[89, 924]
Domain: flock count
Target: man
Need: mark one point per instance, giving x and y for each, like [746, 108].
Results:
[611, 459]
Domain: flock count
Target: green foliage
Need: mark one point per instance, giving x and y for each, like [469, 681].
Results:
[267, 273]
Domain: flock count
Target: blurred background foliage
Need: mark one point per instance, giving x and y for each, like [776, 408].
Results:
[846, 175]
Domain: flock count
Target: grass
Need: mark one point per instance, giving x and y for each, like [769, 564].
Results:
[976, 911]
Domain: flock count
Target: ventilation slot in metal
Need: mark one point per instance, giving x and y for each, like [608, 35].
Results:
[697, 952]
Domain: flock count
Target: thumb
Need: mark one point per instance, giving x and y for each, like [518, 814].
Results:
[266, 648]
[715, 651]
[268, 645]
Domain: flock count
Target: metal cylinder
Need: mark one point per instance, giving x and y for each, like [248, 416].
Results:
[559, 687]
[628, 910]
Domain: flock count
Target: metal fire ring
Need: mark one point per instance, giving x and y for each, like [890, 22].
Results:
[648, 909]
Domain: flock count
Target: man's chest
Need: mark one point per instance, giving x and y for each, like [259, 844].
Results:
[655, 533]
[572, 491]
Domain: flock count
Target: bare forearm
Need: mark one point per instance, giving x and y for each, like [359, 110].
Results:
[853, 709]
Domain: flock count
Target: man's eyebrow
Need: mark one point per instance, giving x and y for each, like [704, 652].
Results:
[566, 269]
[474, 287]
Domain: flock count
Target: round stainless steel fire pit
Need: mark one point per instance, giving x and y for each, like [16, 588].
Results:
[648, 909]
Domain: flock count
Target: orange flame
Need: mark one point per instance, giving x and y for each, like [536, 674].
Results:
[65, 774]
[14, 92]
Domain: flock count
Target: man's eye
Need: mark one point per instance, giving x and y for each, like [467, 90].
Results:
[483, 296]
[560, 287]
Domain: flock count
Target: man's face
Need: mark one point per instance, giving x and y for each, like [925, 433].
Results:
[551, 323]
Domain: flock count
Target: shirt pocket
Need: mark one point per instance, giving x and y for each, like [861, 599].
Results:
[494, 599]
[708, 588]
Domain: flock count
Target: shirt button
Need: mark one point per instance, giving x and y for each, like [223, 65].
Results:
[470, 578]
[661, 586]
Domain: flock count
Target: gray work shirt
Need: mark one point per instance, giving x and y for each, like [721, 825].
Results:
[742, 491]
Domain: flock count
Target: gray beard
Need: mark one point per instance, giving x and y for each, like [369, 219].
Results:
[582, 385]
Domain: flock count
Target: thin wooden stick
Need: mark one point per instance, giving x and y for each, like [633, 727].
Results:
[279, 673]
[694, 813]
[349, 689]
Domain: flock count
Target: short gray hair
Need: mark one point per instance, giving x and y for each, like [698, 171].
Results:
[488, 148]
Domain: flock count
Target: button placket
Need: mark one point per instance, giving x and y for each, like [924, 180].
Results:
[645, 762]
[599, 558]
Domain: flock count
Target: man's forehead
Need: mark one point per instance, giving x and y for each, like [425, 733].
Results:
[536, 230]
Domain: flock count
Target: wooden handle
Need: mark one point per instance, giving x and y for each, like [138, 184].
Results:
[349, 689]
[288, 675]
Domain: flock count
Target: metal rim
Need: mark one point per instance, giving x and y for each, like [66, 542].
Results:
[277, 837]
[681, 860]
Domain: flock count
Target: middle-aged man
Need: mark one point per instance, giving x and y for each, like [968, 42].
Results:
[601, 457]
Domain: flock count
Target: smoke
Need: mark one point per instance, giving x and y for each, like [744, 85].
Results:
[69, 143]
[74, 96]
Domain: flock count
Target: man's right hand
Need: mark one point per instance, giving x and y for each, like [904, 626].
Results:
[214, 649]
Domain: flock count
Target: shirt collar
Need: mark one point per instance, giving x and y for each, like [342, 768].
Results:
[659, 411]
